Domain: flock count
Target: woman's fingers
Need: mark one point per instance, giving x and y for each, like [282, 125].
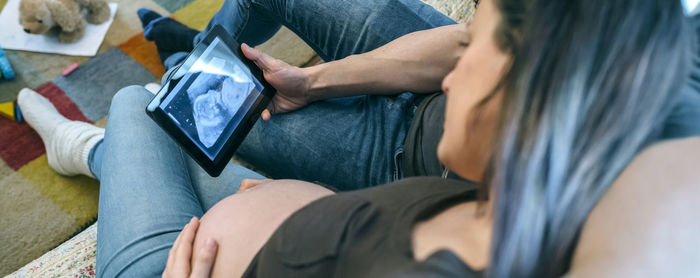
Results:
[176, 244]
[247, 184]
[178, 264]
[168, 272]
[171, 255]
[183, 253]
[204, 261]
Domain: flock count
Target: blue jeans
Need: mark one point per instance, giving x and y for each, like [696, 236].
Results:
[150, 189]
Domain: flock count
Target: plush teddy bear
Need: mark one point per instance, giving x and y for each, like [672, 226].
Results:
[40, 16]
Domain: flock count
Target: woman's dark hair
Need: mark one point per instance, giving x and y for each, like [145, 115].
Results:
[590, 84]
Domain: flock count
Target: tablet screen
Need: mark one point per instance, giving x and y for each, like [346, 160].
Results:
[212, 98]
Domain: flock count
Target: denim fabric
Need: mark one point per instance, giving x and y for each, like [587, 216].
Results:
[150, 189]
[335, 29]
[348, 143]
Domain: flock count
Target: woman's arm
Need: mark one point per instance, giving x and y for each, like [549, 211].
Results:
[648, 223]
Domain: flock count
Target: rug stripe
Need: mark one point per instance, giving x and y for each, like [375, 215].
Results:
[197, 14]
[145, 53]
[19, 143]
[77, 196]
[173, 5]
[92, 85]
[62, 102]
[30, 223]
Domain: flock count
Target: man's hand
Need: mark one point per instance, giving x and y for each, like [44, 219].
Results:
[180, 260]
[291, 82]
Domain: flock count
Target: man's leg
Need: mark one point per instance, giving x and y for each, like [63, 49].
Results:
[348, 143]
[335, 29]
[149, 190]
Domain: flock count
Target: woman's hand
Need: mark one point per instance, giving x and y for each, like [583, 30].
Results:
[247, 184]
[291, 82]
[180, 260]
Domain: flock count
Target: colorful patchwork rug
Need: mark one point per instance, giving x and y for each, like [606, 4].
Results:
[40, 209]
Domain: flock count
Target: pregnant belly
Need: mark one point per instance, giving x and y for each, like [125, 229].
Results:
[242, 223]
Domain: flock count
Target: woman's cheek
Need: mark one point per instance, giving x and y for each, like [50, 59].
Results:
[448, 151]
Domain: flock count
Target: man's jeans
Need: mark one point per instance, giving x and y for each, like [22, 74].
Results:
[150, 188]
[348, 143]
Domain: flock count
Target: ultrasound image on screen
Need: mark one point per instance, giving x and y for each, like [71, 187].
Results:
[212, 98]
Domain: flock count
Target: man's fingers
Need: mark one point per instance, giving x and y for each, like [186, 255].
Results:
[203, 263]
[271, 108]
[262, 60]
[249, 52]
[266, 115]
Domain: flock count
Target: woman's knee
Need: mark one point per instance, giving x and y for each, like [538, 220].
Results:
[131, 98]
[128, 108]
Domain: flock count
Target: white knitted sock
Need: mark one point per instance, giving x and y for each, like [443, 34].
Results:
[152, 87]
[68, 143]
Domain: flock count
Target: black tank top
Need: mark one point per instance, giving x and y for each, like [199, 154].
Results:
[365, 233]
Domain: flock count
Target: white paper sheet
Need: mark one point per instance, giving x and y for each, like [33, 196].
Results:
[12, 36]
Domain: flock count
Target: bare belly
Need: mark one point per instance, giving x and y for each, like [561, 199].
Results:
[242, 223]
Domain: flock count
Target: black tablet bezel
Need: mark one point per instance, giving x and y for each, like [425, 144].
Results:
[216, 166]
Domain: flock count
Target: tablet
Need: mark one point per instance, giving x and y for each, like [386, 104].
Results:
[210, 103]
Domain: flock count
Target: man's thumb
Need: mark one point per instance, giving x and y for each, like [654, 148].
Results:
[261, 59]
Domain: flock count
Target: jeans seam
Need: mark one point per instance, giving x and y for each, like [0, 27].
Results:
[293, 27]
[183, 159]
[141, 256]
[127, 246]
[247, 5]
[312, 43]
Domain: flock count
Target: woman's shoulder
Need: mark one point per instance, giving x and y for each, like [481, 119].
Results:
[646, 224]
